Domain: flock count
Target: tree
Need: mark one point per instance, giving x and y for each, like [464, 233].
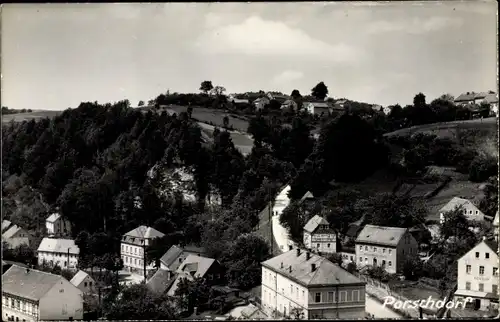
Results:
[206, 86]
[297, 313]
[190, 111]
[335, 258]
[351, 267]
[412, 267]
[225, 121]
[192, 293]
[320, 91]
[455, 224]
[218, 91]
[393, 210]
[141, 103]
[296, 94]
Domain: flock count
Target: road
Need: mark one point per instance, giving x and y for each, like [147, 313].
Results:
[374, 307]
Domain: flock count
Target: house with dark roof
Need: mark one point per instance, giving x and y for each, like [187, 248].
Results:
[161, 281]
[175, 255]
[84, 282]
[32, 295]
[387, 247]
[197, 266]
[133, 245]
[300, 279]
[16, 236]
[319, 236]
[478, 276]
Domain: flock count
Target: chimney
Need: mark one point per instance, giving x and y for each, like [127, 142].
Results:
[281, 264]
[27, 270]
[290, 269]
[298, 252]
[290, 247]
[313, 267]
[308, 255]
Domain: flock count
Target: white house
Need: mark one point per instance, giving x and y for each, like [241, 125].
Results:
[289, 104]
[495, 226]
[57, 226]
[32, 295]
[387, 247]
[301, 280]
[319, 236]
[133, 245]
[471, 212]
[261, 102]
[16, 236]
[478, 276]
[317, 108]
[84, 282]
[56, 251]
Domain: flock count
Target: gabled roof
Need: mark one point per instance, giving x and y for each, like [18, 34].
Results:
[491, 243]
[5, 225]
[491, 98]
[318, 104]
[465, 97]
[495, 221]
[307, 195]
[454, 203]
[480, 95]
[28, 283]
[78, 278]
[144, 232]
[160, 281]
[53, 217]
[314, 223]
[11, 232]
[379, 235]
[325, 273]
[172, 254]
[200, 265]
[58, 245]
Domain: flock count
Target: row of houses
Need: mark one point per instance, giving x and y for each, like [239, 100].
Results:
[472, 98]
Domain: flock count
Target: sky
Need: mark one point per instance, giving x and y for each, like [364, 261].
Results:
[54, 56]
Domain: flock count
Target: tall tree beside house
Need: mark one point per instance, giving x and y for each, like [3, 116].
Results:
[320, 91]
[206, 86]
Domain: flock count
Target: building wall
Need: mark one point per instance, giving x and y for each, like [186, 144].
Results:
[18, 308]
[366, 253]
[62, 302]
[87, 285]
[16, 241]
[59, 259]
[408, 246]
[325, 243]
[474, 278]
[471, 212]
[133, 257]
[60, 227]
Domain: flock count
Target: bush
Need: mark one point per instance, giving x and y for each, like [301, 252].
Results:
[482, 167]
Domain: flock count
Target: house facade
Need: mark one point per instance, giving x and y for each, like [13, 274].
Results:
[261, 102]
[32, 295]
[133, 245]
[58, 252]
[470, 211]
[495, 226]
[318, 235]
[16, 236]
[84, 282]
[317, 108]
[387, 247]
[57, 226]
[478, 276]
[303, 281]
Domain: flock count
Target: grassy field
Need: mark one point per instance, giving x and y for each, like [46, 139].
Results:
[448, 129]
[241, 141]
[29, 116]
[212, 116]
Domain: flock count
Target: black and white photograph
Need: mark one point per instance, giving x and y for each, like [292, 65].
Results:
[249, 160]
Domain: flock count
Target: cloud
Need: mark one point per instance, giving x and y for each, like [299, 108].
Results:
[258, 37]
[287, 77]
[415, 26]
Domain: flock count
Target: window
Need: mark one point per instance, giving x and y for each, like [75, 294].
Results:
[297, 292]
[468, 269]
[90, 284]
[366, 248]
[481, 287]
[481, 270]
[282, 291]
[477, 212]
[470, 212]
[330, 297]
[477, 254]
[328, 245]
[291, 289]
[366, 259]
[317, 298]
[375, 249]
[390, 251]
[61, 290]
[85, 284]
[403, 251]
[135, 261]
[494, 289]
[317, 246]
[360, 247]
[495, 271]
[361, 259]
[343, 296]
[390, 263]
[467, 286]
[123, 248]
[355, 296]
[303, 294]
[486, 255]
[383, 250]
[383, 262]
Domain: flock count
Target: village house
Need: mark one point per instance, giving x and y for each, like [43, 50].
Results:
[197, 266]
[289, 104]
[84, 282]
[58, 252]
[470, 211]
[317, 108]
[261, 102]
[133, 246]
[175, 255]
[57, 226]
[495, 226]
[16, 236]
[161, 281]
[478, 276]
[278, 97]
[304, 281]
[5, 225]
[32, 295]
[318, 235]
[387, 247]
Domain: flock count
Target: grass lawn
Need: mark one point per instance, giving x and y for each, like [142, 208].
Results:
[29, 116]
[214, 116]
[418, 293]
